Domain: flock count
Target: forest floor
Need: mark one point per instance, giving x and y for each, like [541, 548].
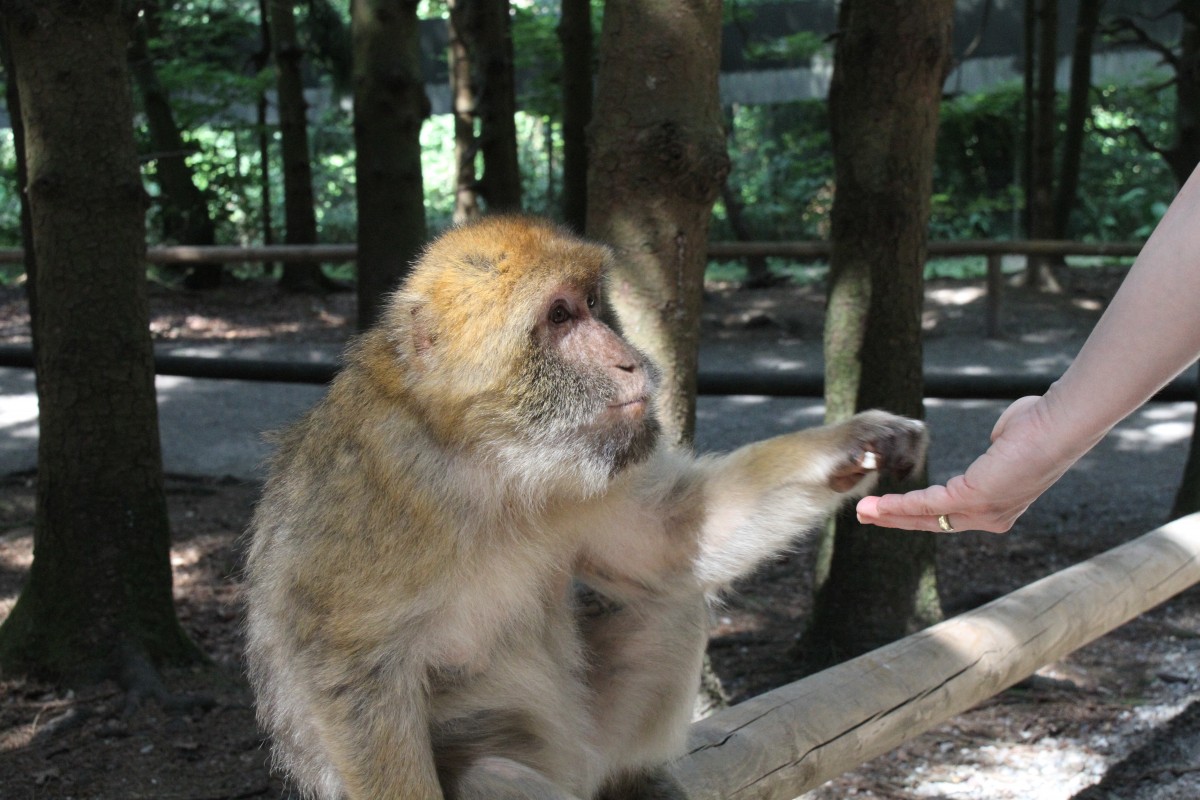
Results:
[1108, 716]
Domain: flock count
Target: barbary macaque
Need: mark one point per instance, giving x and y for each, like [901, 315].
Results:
[488, 454]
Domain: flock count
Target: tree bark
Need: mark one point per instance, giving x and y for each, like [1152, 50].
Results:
[389, 107]
[575, 36]
[1078, 114]
[658, 160]
[482, 30]
[186, 219]
[98, 600]
[300, 216]
[889, 65]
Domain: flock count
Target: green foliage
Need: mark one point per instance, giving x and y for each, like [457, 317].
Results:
[782, 171]
[979, 139]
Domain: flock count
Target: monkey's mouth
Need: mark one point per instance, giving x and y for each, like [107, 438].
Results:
[635, 407]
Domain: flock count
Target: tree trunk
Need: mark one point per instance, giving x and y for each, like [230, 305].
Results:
[98, 600]
[299, 206]
[184, 207]
[481, 36]
[1078, 114]
[657, 164]
[1041, 213]
[575, 35]
[889, 66]
[389, 107]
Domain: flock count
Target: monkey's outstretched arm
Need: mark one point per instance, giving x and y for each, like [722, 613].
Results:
[703, 523]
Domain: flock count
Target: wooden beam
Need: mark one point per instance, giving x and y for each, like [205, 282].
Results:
[787, 741]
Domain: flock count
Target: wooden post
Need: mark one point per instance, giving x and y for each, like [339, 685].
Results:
[795, 738]
[995, 285]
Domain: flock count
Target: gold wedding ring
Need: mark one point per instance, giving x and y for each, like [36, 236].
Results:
[944, 523]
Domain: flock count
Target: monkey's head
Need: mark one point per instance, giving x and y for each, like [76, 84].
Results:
[503, 352]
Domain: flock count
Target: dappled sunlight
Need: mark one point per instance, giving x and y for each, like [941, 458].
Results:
[1031, 767]
[1156, 427]
[957, 295]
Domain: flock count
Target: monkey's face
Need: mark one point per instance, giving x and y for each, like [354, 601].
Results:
[584, 387]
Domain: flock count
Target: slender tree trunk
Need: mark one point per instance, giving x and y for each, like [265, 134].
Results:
[889, 66]
[261, 59]
[1078, 114]
[657, 164]
[462, 94]
[575, 36]
[186, 219]
[1044, 134]
[98, 601]
[299, 205]
[481, 38]
[1028, 85]
[389, 107]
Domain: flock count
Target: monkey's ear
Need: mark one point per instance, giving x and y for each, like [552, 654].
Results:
[410, 328]
[421, 331]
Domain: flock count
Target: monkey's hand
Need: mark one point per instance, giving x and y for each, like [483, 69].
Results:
[879, 443]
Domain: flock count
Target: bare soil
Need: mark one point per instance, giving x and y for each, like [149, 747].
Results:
[1048, 738]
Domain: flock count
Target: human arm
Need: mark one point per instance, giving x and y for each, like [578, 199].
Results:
[1147, 336]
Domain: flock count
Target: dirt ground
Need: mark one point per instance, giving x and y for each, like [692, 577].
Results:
[1050, 737]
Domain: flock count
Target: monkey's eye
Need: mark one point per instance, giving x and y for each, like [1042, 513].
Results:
[591, 300]
[559, 314]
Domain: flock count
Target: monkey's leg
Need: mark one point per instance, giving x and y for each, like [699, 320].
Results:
[497, 778]
[644, 672]
[649, 783]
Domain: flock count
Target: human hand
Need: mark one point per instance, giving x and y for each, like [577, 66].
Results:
[1023, 461]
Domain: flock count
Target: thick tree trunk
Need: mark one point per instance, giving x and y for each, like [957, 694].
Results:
[657, 164]
[299, 205]
[889, 66]
[98, 600]
[184, 208]
[482, 38]
[575, 36]
[389, 108]
[1078, 114]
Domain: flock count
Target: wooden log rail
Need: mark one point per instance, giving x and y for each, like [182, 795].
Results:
[992, 250]
[794, 738]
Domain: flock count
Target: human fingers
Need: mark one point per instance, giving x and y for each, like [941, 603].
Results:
[934, 509]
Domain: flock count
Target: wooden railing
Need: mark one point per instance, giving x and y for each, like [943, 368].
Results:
[794, 738]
